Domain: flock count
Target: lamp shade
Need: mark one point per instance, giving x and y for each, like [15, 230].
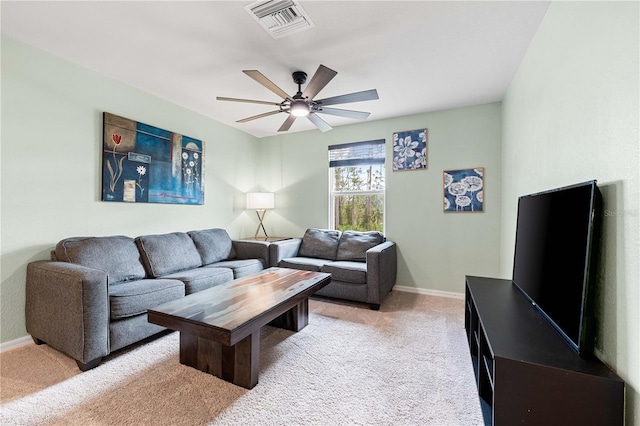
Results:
[260, 200]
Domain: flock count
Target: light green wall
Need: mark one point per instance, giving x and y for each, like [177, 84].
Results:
[571, 114]
[51, 173]
[435, 249]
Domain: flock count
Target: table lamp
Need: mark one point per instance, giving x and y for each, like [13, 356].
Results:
[260, 202]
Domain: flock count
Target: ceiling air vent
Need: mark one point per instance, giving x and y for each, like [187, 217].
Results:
[280, 18]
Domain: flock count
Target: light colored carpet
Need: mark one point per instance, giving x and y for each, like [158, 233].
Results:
[407, 364]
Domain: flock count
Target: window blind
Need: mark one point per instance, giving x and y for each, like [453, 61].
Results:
[357, 153]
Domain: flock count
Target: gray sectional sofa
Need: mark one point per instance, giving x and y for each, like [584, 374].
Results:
[92, 297]
[363, 265]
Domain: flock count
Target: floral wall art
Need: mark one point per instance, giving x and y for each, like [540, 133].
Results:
[464, 190]
[146, 164]
[410, 150]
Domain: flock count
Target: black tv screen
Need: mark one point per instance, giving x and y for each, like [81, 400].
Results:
[553, 257]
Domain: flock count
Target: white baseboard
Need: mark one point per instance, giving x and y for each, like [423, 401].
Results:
[12, 344]
[428, 292]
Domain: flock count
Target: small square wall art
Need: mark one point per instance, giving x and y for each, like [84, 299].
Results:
[464, 190]
[410, 150]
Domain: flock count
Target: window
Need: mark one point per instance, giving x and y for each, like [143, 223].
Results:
[356, 179]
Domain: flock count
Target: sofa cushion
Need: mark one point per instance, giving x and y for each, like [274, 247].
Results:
[304, 263]
[213, 245]
[168, 253]
[240, 267]
[202, 278]
[320, 244]
[118, 256]
[350, 272]
[354, 245]
[135, 297]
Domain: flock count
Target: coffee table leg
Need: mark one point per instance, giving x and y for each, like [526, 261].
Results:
[238, 364]
[295, 319]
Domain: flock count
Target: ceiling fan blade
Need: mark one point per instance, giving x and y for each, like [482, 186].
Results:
[255, 117]
[356, 115]
[250, 101]
[287, 123]
[320, 79]
[257, 76]
[319, 122]
[367, 95]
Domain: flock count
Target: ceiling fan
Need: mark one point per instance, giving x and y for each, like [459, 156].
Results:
[303, 104]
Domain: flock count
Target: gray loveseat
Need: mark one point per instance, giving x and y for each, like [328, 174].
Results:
[362, 265]
[92, 297]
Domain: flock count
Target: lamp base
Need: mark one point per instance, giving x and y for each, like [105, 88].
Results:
[261, 214]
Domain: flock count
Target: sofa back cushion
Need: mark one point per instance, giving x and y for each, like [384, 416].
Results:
[167, 253]
[118, 256]
[213, 245]
[354, 245]
[320, 243]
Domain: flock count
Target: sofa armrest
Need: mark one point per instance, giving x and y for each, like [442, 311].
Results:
[283, 249]
[382, 267]
[67, 307]
[246, 249]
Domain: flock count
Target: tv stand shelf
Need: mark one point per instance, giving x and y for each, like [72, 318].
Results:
[525, 371]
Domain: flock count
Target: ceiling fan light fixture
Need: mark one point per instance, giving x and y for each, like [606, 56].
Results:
[303, 104]
[299, 109]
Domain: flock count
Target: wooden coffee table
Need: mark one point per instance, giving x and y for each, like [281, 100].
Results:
[220, 327]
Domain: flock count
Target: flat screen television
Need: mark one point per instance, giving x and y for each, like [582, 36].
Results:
[553, 264]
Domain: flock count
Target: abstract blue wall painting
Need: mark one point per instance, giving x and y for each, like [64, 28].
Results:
[464, 190]
[145, 164]
[410, 150]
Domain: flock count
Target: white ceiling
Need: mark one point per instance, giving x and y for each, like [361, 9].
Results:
[421, 56]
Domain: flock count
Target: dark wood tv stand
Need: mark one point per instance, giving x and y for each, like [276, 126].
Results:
[526, 372]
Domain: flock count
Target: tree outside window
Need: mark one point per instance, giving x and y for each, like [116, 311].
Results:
[357, 185]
